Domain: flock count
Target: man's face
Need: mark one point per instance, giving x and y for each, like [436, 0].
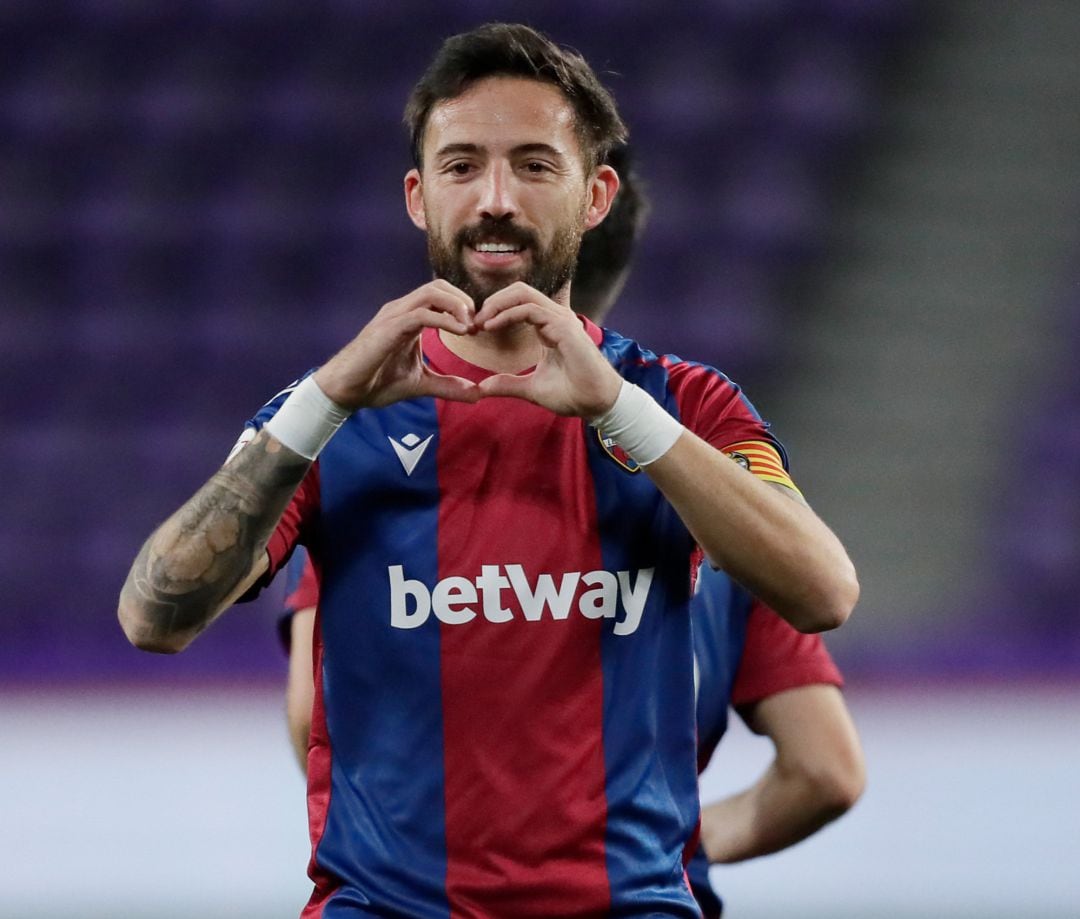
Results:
[503, 195]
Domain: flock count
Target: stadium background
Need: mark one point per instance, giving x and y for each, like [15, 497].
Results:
[865, 211]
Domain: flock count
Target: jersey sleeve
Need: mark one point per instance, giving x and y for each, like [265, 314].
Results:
[776, 657]
[304, 592]
[301, 592]
[717, 411]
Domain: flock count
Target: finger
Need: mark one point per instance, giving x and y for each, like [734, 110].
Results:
[508, 384]
[514, 295]
[445, 298]
[444, 292]
[450, 300]
[443, 284]
[554, 327]
[533, 313]
[457, 389]
[429, 317]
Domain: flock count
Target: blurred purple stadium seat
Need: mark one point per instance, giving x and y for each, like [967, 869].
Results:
[200, 201]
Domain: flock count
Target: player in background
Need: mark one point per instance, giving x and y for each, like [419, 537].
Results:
[783, 684]
[503, 503]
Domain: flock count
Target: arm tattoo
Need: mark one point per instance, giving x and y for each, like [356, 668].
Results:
[196, 559]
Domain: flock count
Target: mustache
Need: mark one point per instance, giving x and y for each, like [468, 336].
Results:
[491, 230]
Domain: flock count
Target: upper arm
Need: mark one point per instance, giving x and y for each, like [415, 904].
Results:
[300, 685]
[815, 715]
[718, 412]
[300, 688]
[814, 735]
[777, 657]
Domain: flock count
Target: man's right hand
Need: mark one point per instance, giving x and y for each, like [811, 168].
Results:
[383, 364]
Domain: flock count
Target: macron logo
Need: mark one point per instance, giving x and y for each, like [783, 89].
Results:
[457, 600]
[410, 450]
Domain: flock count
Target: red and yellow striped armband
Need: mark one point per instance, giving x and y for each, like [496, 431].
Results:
[763, 460]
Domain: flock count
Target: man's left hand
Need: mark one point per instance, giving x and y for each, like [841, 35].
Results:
[571, 377]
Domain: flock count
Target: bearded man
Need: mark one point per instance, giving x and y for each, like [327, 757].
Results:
[504, 504]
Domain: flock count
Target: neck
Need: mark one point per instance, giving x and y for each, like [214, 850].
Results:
[510, 350]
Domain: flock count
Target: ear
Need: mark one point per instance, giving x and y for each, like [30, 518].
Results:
[603, 187]
[414, 198]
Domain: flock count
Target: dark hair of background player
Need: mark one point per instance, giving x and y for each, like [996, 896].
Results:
[603, 263]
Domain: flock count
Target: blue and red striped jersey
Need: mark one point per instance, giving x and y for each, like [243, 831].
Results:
[744, 652]
[504, 712]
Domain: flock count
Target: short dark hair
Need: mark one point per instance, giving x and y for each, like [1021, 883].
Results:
[606, 250]
[512, 49]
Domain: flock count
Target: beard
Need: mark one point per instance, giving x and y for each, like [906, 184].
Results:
[550, 269]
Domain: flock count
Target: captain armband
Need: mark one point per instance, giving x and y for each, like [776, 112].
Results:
[639, 424]
[307, 419]
[763, 460]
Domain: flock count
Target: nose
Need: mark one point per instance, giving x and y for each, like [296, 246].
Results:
[497, 199]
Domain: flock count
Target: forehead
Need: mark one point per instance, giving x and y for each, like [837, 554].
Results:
[503, 112]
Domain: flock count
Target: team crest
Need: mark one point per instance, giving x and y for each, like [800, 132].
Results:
[617, 453]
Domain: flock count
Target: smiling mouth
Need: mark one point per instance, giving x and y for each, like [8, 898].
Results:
[497, 256]
[498, 248]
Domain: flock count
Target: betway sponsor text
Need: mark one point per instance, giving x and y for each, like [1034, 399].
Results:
[457, 600]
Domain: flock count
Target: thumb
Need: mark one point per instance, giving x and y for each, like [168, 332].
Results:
[456, 389]
[508, 384]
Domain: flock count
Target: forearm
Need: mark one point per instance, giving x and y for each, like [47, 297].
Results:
[774, 545]
[190, 569]
[778, 811]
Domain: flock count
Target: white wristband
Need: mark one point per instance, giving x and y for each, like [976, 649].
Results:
[639, 424]
[307, 419]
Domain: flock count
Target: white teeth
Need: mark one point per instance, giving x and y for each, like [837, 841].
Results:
[496, 247]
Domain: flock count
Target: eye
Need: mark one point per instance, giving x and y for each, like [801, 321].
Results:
[459, 168]
[536, 167]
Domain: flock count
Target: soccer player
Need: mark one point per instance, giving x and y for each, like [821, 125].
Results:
[603, 266]
[504, 511]
[784, 684]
